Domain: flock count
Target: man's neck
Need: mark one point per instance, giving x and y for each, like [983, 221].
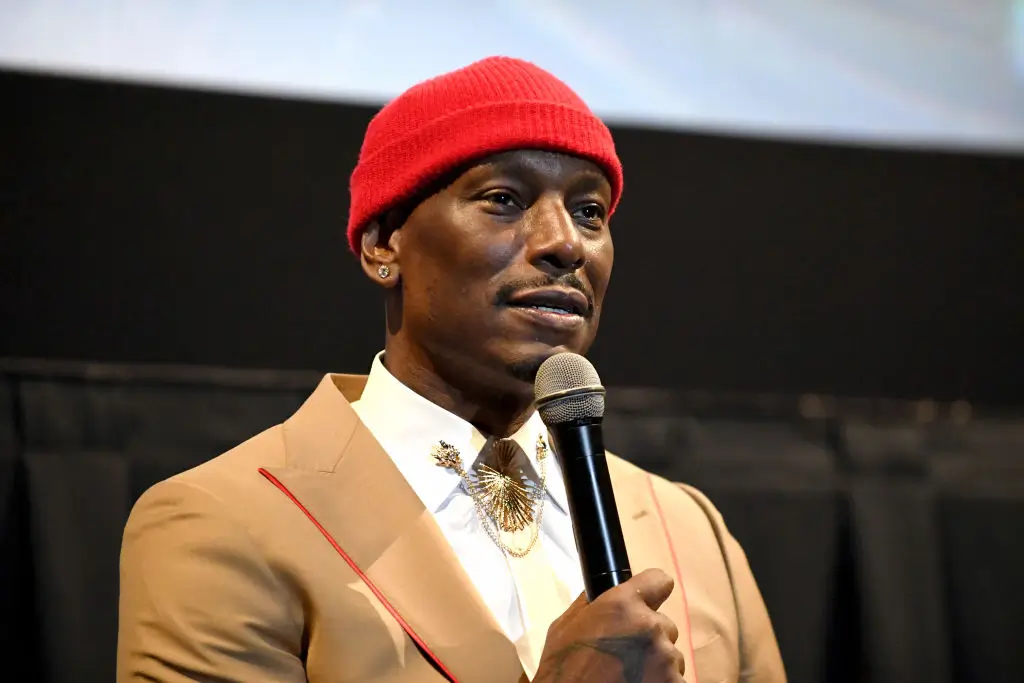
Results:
[497, 415]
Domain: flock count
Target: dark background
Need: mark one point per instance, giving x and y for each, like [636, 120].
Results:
[160, 225]
[156, 244]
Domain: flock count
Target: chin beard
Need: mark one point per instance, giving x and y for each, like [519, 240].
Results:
[525, 370]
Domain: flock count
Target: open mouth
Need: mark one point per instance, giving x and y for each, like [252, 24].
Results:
[566, 302]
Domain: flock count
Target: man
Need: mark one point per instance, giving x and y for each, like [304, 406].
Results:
[412, 525]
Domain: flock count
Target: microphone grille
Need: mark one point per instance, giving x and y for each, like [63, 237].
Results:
[565, 372]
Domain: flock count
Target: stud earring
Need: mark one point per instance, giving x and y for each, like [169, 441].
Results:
[383, 272]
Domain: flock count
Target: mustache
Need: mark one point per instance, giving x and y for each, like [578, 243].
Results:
[569, 280]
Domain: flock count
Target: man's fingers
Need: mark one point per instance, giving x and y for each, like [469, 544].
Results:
[668, 627]
[653, 585]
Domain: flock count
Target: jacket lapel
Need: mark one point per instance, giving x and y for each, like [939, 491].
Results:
[345, 480]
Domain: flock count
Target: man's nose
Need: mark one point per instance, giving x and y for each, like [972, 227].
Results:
[555, 243]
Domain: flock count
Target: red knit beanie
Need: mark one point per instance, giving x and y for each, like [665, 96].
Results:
[494, 105]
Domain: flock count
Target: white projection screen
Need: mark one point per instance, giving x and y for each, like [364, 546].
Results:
[935, 73]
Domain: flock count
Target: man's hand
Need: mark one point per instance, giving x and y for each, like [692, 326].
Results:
[618, 637]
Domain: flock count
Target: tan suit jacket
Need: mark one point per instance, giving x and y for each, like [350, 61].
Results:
[303, 554]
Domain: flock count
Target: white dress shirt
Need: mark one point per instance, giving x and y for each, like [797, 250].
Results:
[408, 426]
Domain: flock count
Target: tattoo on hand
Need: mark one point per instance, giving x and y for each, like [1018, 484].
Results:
[631, 651]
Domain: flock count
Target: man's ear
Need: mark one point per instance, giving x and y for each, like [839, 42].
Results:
[379, 252]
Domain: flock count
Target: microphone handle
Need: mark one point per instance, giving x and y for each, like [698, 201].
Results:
[595, 518]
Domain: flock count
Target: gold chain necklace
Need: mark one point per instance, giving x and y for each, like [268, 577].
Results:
[501, 501]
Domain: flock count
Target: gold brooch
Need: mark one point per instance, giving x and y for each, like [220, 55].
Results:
[446, 455]
[507, 501]
[502, 501]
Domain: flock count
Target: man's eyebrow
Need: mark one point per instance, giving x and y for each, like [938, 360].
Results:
[583, 180]
[590, 181]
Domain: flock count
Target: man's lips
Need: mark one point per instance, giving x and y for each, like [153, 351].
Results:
[553, 300]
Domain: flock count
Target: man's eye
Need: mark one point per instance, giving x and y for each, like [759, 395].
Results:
[591, 212]
[502, 198]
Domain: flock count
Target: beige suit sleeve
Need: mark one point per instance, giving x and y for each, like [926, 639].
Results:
[198, 601]
[760, 659]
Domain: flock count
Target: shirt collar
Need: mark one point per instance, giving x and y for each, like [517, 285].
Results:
[408, 426]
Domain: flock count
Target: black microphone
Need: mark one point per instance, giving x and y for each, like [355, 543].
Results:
[570, 400]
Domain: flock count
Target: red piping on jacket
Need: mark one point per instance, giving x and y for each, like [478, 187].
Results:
[365, 579]
[679, 574]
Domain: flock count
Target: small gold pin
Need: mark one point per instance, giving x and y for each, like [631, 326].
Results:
[446, 455]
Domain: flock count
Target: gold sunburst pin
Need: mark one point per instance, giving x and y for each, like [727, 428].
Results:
[507, 501]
